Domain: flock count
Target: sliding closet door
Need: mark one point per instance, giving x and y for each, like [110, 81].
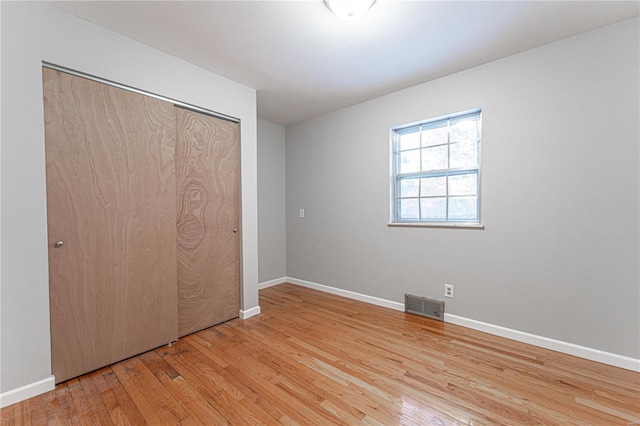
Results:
[207, 176]
[111, 222]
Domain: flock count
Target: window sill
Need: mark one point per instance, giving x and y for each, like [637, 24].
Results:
[436, 225]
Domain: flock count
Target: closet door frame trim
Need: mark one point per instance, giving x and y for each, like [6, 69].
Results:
[141, 92]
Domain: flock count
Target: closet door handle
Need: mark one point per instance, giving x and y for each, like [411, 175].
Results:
[58, 244]
[235, 230]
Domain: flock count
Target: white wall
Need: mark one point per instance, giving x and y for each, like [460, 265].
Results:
[272, 252]
[560, 254]
[35, 32]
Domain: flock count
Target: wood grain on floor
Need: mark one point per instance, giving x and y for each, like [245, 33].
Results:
[315, 358]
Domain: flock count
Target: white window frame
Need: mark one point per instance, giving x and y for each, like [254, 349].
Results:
[396, 177]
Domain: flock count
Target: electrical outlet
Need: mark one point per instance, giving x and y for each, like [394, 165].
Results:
[301, 212]
[448, 290]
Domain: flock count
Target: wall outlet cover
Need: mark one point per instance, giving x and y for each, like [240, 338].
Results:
[448, 290]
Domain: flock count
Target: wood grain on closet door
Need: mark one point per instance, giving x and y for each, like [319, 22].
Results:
[207, 176]
[111, 201]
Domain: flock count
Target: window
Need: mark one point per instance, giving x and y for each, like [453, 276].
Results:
[436, 171]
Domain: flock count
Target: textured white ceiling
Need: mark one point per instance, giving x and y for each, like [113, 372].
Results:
[303, 61]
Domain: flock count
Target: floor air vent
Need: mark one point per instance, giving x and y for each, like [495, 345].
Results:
[430, 308]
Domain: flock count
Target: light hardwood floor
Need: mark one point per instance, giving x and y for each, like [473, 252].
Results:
[314, 358]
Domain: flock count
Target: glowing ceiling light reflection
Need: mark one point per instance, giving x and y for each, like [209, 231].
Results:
[349, 10]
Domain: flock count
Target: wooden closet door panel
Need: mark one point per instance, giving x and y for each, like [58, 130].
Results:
[207, 175]
[111, 200]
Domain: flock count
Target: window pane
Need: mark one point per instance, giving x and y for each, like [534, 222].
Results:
[409, 188]
[408, 209]
[409, 139]
[434, 208]
[466, 184]
[434, 186]
[463, 208]
[464, 154]
[434, 134]
[434, 158]
[464, 130]
[436, 167]
[409, 161]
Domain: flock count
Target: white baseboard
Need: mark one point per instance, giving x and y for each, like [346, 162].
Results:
[348, 294]
[248, 313]
[27, 391]
[547, 343]
[271, 283]
[597, 355]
